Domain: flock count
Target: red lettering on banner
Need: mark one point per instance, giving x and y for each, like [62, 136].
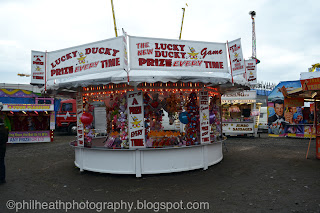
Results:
[214, 64]
[205, 128]
[204, 108]
[86, 66]
[237, 67]
[135, 102]
[205, 133]
[143, 45]
[135, 110]
[175, 47]
[62, 71]
[110, 63]
[136, 133]
[37, 77]
[39, 63]
[204, 52]
[187, 63]
[137, 142]
[63, 58]
[145, 52]
[155, 62]
[205, 139]
[115, 52]
[234, 48]
[204, 123]
[101, 50]
[165, 54]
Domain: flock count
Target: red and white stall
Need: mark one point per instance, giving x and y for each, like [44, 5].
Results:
[183, 78]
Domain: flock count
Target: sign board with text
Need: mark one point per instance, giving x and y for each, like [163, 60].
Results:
[238, 128]
[136, 119]
[28, 136]
[38, 69]
[236, 57]
[101, 56]
[177, 55]
[251, 71]
[28, 107]
[204, 117]
[246, 96]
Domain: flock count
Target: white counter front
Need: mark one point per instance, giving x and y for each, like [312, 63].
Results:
[148, 160]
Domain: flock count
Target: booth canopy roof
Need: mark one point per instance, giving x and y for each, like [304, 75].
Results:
[139, 76]
[28, 87]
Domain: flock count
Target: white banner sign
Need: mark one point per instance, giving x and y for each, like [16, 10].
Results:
[177, 55]
[251, 70]
[136, 119]
[38, 62]
[204, 117]
[101, 56]
[243, 95]
[237, 128]
[28, 107]
[236, 57]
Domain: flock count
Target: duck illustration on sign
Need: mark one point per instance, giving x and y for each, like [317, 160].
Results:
[205, 118]
[38, 68]
[236, 57]
[135, 123]
[82, 58]
[193, 54]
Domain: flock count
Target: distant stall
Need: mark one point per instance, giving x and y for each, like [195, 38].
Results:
[310, 91]
[28, 117]
[289, 115]
[240, 113]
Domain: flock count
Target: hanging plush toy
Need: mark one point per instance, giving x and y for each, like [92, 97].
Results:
[172, 106]
[122, 121]
[156, 108]
[193, 117]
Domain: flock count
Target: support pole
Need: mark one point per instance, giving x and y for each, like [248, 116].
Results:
[184, 10]
[114, 19]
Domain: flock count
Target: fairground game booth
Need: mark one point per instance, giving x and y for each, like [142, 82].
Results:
[28, 116]
[183, 78]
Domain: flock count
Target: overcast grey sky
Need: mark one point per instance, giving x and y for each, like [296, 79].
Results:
[287, 31]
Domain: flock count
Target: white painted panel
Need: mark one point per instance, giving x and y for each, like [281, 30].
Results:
[172, 160]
